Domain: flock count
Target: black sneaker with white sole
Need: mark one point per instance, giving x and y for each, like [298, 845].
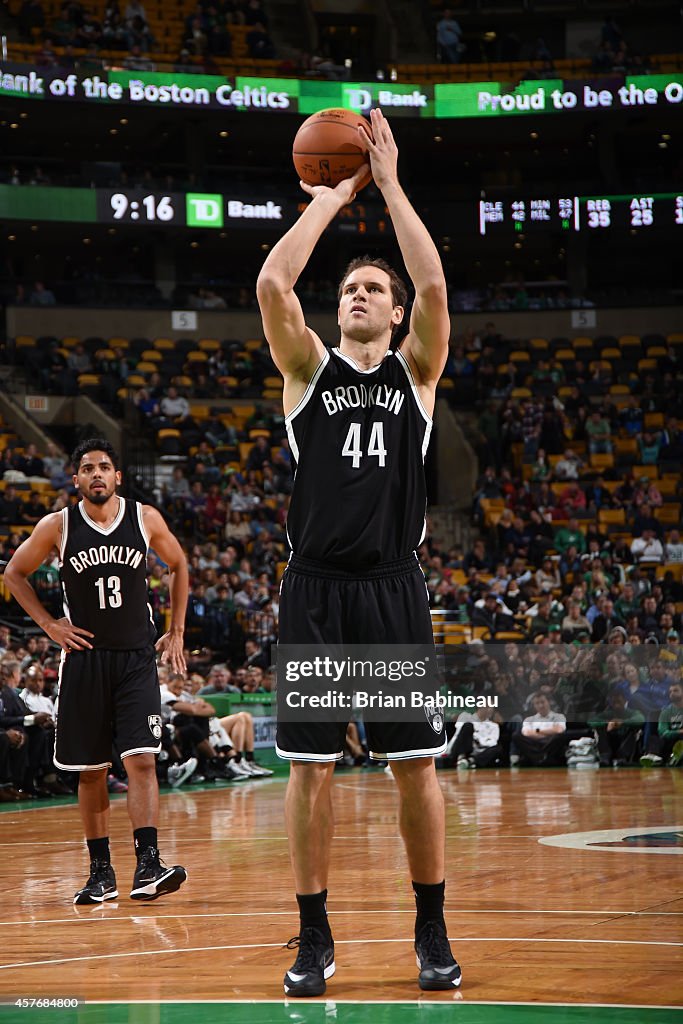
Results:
[152, 878]
[100, 886]
[314, 964]
[438, 967]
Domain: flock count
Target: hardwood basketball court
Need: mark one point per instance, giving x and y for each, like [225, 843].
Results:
[585, 927]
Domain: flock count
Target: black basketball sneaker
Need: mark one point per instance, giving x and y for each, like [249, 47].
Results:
[100, 886]
[438, 967]
[152, 878]
[314, 964]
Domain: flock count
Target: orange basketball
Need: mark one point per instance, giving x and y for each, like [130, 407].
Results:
[327, 148]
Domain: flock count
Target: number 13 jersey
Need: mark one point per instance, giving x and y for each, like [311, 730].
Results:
[104, 577]
[358, 440]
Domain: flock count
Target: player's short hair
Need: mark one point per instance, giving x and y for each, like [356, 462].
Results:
[94, 444]
[399, 292]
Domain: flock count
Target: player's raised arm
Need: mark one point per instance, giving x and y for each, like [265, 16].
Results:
[295, 348]
[169, 550]
[25, 560]
[426, 345]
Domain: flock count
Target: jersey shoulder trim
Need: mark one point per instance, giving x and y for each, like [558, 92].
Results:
[65, 532]
[308, 393]
[411, 380]
[141, 524]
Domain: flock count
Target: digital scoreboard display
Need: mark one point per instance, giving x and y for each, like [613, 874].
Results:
[580, 213]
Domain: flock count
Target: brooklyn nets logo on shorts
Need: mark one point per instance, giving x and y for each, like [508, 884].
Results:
[155, 726]
[434, 717]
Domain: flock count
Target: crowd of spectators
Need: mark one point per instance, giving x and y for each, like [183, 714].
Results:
[566, 703]
[206, 33]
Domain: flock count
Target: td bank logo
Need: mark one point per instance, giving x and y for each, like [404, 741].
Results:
[362, 99]
[204, 211]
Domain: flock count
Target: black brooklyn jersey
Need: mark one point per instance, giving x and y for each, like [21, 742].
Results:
[104, 577]
[358, 439]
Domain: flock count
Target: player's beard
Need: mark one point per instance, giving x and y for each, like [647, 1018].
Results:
[100, 497]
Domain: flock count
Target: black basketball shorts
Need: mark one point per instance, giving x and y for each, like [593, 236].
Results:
[321, 604]
[105, 698]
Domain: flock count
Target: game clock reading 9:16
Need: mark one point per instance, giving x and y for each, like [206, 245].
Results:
[138, 207]
[148, 208]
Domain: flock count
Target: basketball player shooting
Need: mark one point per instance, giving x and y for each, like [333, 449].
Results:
[109, 689]
[355, 520]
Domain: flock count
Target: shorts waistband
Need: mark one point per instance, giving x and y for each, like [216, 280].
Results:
[311, 567]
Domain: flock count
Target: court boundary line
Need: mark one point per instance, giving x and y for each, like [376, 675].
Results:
[420, 1001]
[341, 942]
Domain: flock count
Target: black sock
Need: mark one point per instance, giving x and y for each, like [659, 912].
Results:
[249, 755]
[312, 911]
[99, 849]
[238, 757]
[144, 838]
[429, 900]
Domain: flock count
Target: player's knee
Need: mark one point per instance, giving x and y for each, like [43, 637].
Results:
[142, 764]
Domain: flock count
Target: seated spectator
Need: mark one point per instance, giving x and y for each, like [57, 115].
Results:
[174, 406]
[259, 454]
[41, 296]
[541, 469]
[674, 547]
[79, 360]
[190, 717]
[598, 495]
[569, 466]
[548, 576]
[259, 43]
[475, 743]
[30, 464]
[54, 465]
[572, 536]
[219, 681]
[649, 447]
[489, 612]
[572, 499]
[33, 510]
[647, 547]
[647, 618]
[543, 739]
[574, 622]
[11, 506]
[618, 727]
[667, 746]
[604, 621]
[598, 431]
[644, 520]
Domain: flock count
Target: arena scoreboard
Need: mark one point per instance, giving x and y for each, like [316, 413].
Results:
[580, 213]
[144, 207]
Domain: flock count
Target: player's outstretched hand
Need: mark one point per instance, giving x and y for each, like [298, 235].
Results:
[68, 636]
[383, 151]
[346, 190]
[170, 645]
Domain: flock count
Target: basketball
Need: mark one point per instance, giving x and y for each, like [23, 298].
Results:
[327, 148]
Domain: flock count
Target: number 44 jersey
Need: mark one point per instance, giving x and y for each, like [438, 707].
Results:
[358, 439]
[104, 576]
